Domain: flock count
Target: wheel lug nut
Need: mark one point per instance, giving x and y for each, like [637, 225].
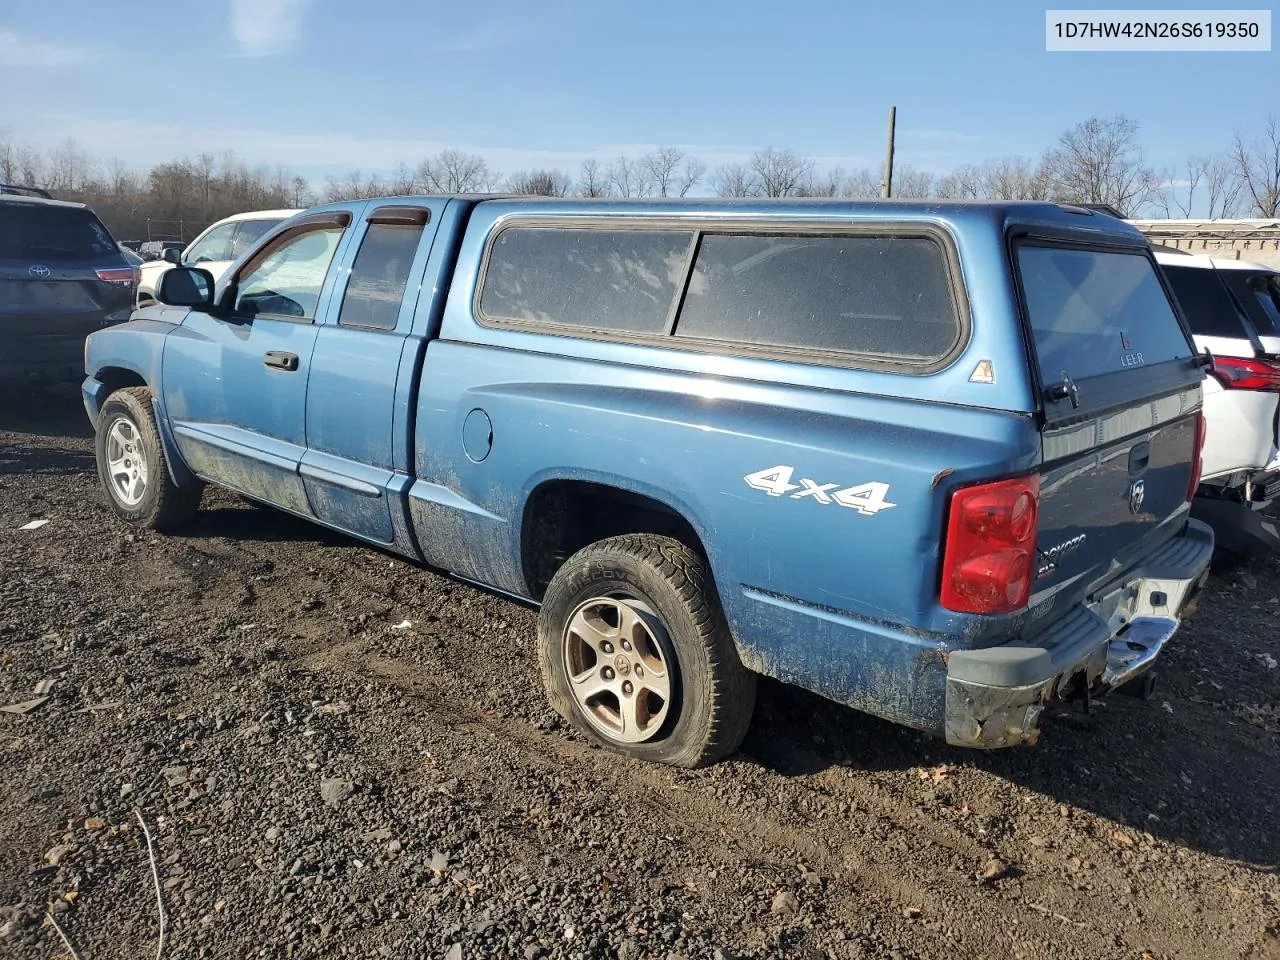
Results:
[608, 673]
[607, 647]
[626, 644]
[639, 670]
[627, 688]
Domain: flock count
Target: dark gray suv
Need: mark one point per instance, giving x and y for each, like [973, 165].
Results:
[62, 276]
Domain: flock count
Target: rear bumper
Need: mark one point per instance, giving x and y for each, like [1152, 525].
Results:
[56, 353]
[994, 696]
[42, 359]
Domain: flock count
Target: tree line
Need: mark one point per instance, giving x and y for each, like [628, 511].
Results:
[1099, 160]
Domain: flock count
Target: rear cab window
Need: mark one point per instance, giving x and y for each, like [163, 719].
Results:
[380, 275]
[1095, 312]
[841, 297]
[44, 232]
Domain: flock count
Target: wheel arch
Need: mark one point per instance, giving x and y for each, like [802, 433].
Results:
[564, 513]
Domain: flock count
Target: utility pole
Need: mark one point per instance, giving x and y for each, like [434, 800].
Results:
[886, 185]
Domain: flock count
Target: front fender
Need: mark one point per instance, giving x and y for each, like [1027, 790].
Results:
[135, 347]
[127, 355]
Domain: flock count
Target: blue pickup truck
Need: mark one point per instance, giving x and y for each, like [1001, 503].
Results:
[933, 461]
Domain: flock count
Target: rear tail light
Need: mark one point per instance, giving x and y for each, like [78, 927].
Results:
[1236, 373]
[120, 276]
[1197, 458]
[989, 562]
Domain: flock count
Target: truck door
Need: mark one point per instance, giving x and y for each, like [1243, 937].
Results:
[235, 381]
[362, 376]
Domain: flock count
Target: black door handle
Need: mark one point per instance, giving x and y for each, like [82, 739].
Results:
[281, 359]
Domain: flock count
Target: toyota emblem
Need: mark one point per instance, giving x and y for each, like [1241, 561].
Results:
[39, 270]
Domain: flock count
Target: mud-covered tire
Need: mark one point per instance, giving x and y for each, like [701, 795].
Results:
[666, 591]
[127, 447]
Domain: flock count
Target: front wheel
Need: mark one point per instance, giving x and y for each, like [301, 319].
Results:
[635, 651]
[132, 464]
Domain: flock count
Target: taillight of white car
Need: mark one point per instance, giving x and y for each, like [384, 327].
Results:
[1237, 373]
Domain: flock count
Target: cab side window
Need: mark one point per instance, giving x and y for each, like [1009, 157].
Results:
[379, 276]
[287, 281]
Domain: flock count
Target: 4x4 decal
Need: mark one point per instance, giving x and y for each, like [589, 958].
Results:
[867, 498]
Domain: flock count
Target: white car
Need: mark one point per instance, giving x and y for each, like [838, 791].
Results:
[1241, 462]
[214, 250]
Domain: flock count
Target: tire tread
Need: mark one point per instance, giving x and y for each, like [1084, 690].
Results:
[731, 692]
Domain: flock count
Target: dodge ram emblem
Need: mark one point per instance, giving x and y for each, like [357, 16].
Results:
[39, 270]
[1137, 490]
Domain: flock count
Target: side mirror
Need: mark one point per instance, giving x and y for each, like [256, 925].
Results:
[186, 287]
[171, 255]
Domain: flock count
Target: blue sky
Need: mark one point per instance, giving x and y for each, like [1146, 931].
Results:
[323, 85]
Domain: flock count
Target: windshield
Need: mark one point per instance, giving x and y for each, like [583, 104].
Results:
[1094, 312]
[30, 231]
[249, 232]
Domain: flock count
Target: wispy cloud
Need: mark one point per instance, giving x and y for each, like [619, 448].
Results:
[263, 28]
[19, 51]
[942, 136]
[491, 35]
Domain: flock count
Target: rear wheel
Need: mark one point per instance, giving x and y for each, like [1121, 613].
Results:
[132, 464]
[635, 651]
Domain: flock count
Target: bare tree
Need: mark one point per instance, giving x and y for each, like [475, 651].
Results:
[861, 184]
[1224, 186]
[452, 171]
[912, 184]
[354, 186]
[629, 178]
[1099, 160]
[31, 165]
[966, 182]
[780, 173]
[1258, 165]
[691, 173]
[403, 181]
[670, 172]
[826, 184]
[660, 167]
[540, 183]
[592, 180]
[69, 167]
[9, 166]
[734, 180]
[1014, 178]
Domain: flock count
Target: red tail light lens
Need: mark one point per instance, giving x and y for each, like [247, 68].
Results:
[1197, 458]
[120, 276]
[1236, 373]
[989, 562]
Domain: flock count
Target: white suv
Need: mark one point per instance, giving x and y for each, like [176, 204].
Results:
[214, 250]
[1221, 300]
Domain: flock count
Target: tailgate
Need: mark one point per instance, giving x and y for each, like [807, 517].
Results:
[1107, 483]
[1121, 406]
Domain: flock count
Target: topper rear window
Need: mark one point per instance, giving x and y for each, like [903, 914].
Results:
[1094, 312]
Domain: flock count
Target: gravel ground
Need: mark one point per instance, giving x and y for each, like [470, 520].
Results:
[339, 754]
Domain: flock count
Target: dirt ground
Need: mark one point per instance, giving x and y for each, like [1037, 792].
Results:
[339, 754]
